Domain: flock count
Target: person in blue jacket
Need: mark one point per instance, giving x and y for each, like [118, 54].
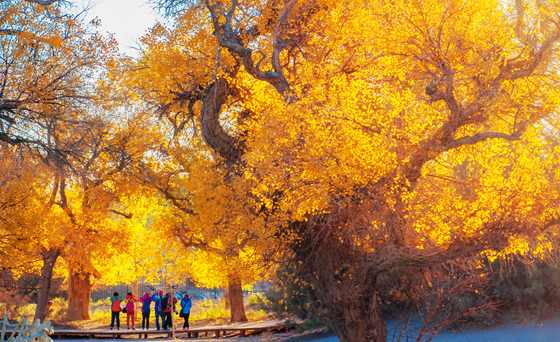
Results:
[186, 305]
[157, 297]
[146, 300]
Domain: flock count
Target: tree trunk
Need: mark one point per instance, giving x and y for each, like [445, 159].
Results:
[49, 259]
[212, 131]
[236, 299]
[360, 321]
[344, 284]
[226, 299]
[79, 291]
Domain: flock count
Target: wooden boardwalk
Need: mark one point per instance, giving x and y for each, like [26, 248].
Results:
[239, 329]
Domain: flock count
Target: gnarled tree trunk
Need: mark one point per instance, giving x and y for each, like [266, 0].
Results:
[360, 320]
[236, 299]
[79, 290]
[49, 259]
[343, 282]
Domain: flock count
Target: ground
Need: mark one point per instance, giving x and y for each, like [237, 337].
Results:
[279, 337]
[513, 331]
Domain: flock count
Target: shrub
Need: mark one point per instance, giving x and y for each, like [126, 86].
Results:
[16, 306]
[102, 315]
[526, 287]
[293, 296]
[58, 309]
[450, 294]
[210, 310]
[256, 300]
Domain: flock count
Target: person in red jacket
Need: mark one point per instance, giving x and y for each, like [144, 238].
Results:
[130, 301]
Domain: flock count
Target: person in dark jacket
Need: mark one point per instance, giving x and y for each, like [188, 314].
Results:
[168, 306]
[146, 300]
[186, 305]
[157, 297]
[116, 301]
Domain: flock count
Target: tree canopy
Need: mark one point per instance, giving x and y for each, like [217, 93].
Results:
[345, 138]
[375, 134]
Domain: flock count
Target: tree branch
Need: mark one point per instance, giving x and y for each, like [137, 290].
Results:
[444, 138]
[23, 34]
[279, 45]
[44, 2]
[226, 38]
[479, 137]
[197, 243]
[127, 216]
[496, 238]
[230, 148]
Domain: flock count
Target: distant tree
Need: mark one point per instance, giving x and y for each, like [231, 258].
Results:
[210, 206]
[19, 213]
[49, 62]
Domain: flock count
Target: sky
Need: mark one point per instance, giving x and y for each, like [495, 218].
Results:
[127, 19]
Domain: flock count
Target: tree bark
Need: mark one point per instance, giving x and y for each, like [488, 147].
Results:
[236, 299]
[226, 297]
[343, 282]
[79, 291]
[49, 259]
[360, 320]
[212, 131]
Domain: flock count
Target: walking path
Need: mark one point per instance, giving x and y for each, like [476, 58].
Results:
[239, 329]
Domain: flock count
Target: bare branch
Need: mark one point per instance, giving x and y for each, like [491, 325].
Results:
[278, 45]
[226, 38]
[23, 34]
[127, 216]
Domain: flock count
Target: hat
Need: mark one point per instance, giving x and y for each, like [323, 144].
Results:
[160, 292]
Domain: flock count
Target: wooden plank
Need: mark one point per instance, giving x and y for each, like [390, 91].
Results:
[244, 329]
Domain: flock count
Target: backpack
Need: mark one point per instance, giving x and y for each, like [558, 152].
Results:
[116, 305]
[146, 305]
[130, 307]
[158, 304]
[164, 303]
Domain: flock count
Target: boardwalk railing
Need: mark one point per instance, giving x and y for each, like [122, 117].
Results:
[24, 332]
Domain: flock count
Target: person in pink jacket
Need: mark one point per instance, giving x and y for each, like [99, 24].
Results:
[146, 300]
[130, 301]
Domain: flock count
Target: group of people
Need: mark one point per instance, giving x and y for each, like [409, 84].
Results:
[163, 308]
